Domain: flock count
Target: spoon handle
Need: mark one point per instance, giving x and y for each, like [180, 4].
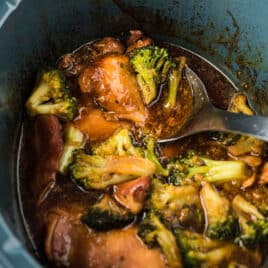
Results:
[209, 118]
[256, 126]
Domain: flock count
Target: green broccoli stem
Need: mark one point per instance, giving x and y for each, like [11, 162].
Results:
[173, 84]
[39, 95]
[220, 171]
[153, 230]
[58, 109]
[150, 154]
[51, 96]
[166, 240]
[74, 139]
[147, 86]
[151, 64]
[96, 172]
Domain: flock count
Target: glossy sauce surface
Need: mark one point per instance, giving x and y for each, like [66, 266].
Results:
[99, 125]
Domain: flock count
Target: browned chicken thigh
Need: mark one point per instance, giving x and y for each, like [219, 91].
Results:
[71, 243]
[47, 145]
[93, 123]
[73, 63]
[137, 40]
[114, 87]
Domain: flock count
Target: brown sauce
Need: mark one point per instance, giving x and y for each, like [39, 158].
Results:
[166, 124]
[66, 192]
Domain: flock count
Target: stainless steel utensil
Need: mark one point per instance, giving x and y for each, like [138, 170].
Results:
[206, 117]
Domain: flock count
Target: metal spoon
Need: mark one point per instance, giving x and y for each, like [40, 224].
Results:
[206, 117]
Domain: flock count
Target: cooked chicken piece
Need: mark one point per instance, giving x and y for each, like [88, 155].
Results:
[137, 40]
[48, 146]
[132, 194]
[123, 249]
[251, 160]
[71, 243]
[115, 87]
[247, 149]
[249, 145]
[62, 224]
[94, 124]
[109, 45]
[140, 43]
[73, 63]
[135, 35]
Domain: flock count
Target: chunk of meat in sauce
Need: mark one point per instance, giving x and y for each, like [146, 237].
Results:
[73, 63]
[109, 45]
[60, 227]
[249, 150]
[132, 194]
[137, 40]
[114, 87]
[135, 35]
[119, 248]
[48, 146]
[93, 123]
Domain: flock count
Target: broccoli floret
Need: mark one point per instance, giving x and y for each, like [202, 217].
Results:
[216, 171]
[253, 225]
[225, 138]
[107, 214]
[220, 223]
[177, 172]
[200, 251]
[154, 233]
[120, 143]
[97, 172]
[152, 65]
[179, 167]
[174, 79]
[178, 205]
[239, 104]
[74, 139]
[192, 166]
[150, 154]
[51, 96]
[197, 250]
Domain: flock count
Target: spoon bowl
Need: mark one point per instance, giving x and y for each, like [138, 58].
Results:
[206, 117]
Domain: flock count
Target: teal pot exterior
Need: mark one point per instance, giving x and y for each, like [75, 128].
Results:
[232, 34]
